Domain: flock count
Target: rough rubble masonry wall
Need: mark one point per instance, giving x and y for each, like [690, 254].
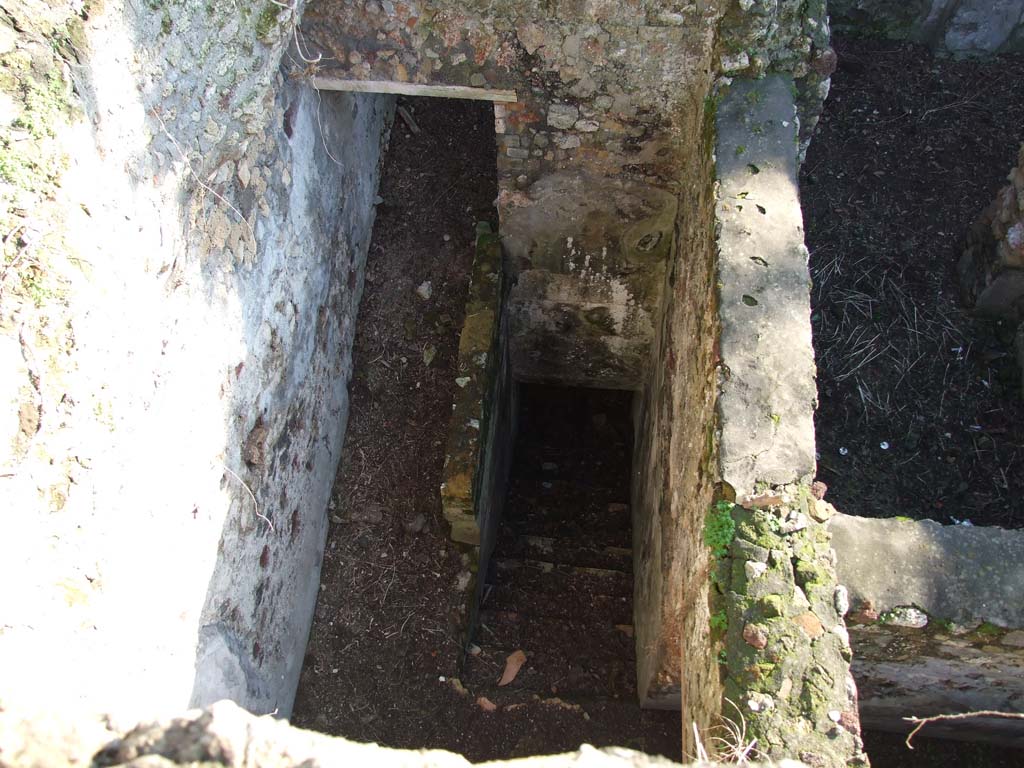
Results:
[183, 374]
[971, 27]
[590, 148]
[936, 622]
[673, 463]
[991, 268]
[777, 609]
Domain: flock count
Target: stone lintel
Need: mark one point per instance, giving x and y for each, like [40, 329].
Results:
[414, 89]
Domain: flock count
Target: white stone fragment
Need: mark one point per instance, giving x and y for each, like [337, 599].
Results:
[425, 290]
[840, 631]
[562, 115]
[735, 63]
[754, 569]
[841, 599]
[906, 616]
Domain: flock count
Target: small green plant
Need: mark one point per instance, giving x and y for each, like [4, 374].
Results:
[723, 657]
[987, 629]
[719, 621]
[719, 528]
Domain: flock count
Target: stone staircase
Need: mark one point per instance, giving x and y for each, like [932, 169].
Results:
[561, 586]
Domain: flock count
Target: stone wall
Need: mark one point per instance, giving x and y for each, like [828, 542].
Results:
[178, 314]
[968, 27]
[991, 268]
[673, 462]
[776, 609]
[935, 624]
[590, 144]
[482, 428]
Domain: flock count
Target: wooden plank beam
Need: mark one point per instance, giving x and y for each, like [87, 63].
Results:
[412, 89]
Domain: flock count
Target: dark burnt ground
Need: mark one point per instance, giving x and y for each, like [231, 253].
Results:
[910, 150]
[382, 660]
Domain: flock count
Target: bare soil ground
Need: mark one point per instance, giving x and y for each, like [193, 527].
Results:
[920, 410]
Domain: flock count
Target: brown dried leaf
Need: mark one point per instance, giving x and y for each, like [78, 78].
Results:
[513, 663]
[486, 704]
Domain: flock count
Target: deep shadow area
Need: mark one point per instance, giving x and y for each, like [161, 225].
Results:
[889, 750]
[920, 410]
[561, 583]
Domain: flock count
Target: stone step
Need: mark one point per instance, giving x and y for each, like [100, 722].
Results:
[548, 671]
[593, 527]
[575, 606]
[560, 581]
[595, 637]
[567, 552]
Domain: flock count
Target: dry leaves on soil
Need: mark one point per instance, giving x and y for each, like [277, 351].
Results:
[513, 663]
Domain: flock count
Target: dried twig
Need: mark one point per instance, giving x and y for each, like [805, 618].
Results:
[252, 496]
[202, 184]
[923, 721]
[407, 118]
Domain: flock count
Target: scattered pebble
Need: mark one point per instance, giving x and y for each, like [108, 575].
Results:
[425, 290]
[884, 445]
[447, 238]
[906, 616]
[442, 679]
[753, 569]
[843, 451]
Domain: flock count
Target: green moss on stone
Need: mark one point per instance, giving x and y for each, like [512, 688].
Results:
[266, 22]
[987, 629]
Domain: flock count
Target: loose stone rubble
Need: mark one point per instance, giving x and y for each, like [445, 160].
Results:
[991, 268]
